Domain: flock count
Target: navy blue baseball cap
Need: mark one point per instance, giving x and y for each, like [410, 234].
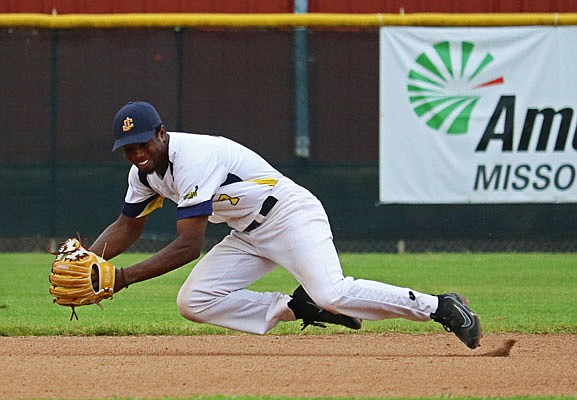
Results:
[136, 122]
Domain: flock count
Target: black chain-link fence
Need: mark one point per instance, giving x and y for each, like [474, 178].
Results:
[148, 245]
[310, 108]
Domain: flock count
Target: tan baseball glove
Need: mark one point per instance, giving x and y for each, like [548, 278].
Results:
[79, 277]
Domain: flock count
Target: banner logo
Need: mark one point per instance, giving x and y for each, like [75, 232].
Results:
[443, 85]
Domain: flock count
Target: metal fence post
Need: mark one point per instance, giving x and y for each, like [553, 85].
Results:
[302, 135]
[53, 131]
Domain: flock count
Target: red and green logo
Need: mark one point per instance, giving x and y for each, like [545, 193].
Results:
[445, 82]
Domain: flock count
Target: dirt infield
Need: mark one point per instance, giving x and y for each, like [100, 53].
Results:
[360, 365]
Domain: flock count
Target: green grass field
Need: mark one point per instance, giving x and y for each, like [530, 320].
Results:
[530, 293]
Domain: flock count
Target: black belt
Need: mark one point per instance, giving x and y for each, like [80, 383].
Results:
[267, 205]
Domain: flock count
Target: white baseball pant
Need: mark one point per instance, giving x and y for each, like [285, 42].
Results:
[297, 236]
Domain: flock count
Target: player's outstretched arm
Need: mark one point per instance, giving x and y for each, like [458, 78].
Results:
[185, 248]
[118, 236]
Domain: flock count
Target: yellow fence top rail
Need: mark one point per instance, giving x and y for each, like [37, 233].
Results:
[165, 20]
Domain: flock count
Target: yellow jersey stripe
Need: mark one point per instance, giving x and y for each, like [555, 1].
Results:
[265, 181]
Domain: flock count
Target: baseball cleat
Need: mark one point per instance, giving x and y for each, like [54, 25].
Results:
[305, 308]
[456, 317]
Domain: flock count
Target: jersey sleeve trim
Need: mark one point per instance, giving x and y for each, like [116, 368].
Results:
[204, 208]
[140, 209]
[231, 178]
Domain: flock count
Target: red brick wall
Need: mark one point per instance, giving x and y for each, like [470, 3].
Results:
[443, 6]
[284, 6]
[146, 6]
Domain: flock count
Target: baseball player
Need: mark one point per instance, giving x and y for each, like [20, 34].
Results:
[274, 222]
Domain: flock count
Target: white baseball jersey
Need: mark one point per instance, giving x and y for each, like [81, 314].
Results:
[207, 175]
[214, 176]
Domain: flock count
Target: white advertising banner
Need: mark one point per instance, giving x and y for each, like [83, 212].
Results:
[478, 115]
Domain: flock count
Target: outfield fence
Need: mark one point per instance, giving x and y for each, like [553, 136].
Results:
[302, 90]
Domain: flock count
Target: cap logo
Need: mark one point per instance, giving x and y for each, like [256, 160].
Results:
[127, 125]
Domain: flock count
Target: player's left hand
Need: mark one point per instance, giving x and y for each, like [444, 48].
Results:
[79, 277]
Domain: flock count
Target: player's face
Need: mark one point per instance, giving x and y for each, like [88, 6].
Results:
[151, 156]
